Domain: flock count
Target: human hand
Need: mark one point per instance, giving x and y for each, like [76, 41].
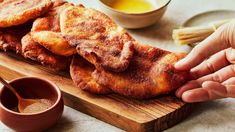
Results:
[212, 64]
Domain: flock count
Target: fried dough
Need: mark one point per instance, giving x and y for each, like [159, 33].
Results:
[110, 59]
[16, 12]
[46, 32]
[51, 20]
[97, 38]
[36, 52]
[80, 71]
[9, 41]
[10, 38]
[150, 73]
[54, 42]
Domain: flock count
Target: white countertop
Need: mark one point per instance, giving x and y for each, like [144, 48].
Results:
[214, 116]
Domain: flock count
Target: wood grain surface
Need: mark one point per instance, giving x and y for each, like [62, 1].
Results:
[128, 114]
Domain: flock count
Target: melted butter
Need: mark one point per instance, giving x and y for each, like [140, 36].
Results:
[37, 107]
[132, 6]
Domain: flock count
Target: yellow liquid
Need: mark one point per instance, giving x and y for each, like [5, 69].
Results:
[132, 6]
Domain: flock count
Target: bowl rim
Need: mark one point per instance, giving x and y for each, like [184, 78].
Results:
[143, 13]
[36, 113]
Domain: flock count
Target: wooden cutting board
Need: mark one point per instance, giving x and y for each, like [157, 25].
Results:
[128, 114]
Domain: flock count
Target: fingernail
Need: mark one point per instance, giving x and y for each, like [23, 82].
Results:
[205, 84]
[231, 56]
[186, 97]
[177, 94]
[193, 74]
[208, 83]
[177, 64]
[189, 97]
[194, 96]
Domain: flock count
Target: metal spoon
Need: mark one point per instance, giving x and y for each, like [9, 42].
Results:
[24, 103]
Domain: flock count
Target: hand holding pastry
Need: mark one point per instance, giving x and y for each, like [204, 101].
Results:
[211, 64]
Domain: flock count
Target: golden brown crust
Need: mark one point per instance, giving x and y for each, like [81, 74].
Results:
[149, 74]
[46, 32]
[54, 42]
[51, 20]
[10, 42]
[10, 38]
[16, 12]
[97, 38]
[119, 63]
[36, 52]
[80, 71]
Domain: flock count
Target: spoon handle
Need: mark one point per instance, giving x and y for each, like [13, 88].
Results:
[9, 87]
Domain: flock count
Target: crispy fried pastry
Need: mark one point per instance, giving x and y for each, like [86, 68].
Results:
[36, 52]
[149, 74]
[46, 32]
[54, 42]
[97, 38]
[112, 60]
[16, 12]
[80, 71]
[51, 20]
[9, 41]
[10, 38]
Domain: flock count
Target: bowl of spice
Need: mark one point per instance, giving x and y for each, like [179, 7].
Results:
[133, 14]
[36, 116]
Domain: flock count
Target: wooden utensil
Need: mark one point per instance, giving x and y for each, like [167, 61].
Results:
[23, 104]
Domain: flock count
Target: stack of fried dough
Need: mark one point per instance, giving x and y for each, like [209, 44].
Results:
[102, 57]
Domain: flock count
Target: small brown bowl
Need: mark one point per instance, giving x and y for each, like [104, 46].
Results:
[30, 87]
[135, 20]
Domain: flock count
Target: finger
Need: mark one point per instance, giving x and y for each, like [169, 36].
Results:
[230, 81]
[210, 90]
[230, 55]
[219, 76]
[211, 65]
[190, 85]
[205, 49]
